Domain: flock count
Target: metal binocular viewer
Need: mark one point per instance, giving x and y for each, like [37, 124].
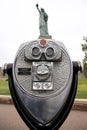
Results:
[43, 82]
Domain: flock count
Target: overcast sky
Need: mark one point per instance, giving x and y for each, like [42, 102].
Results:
[19, 22]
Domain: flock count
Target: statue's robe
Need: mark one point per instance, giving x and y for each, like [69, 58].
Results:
[43, 23]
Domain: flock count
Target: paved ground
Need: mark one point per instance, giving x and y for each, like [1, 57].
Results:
[10, 120]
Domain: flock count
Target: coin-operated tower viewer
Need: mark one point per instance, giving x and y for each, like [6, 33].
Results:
[43, 80]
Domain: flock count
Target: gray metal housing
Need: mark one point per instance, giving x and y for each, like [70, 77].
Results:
[43, 105]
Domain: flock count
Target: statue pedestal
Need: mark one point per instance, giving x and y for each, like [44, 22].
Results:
[45, 37]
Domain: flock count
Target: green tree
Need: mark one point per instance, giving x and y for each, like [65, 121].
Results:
[84, 49]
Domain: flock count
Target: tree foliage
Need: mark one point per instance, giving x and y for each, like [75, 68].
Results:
[84, 49]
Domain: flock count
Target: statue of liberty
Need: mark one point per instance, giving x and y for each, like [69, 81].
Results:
[43, 27]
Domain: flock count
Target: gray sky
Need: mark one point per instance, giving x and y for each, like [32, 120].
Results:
[19, 23]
